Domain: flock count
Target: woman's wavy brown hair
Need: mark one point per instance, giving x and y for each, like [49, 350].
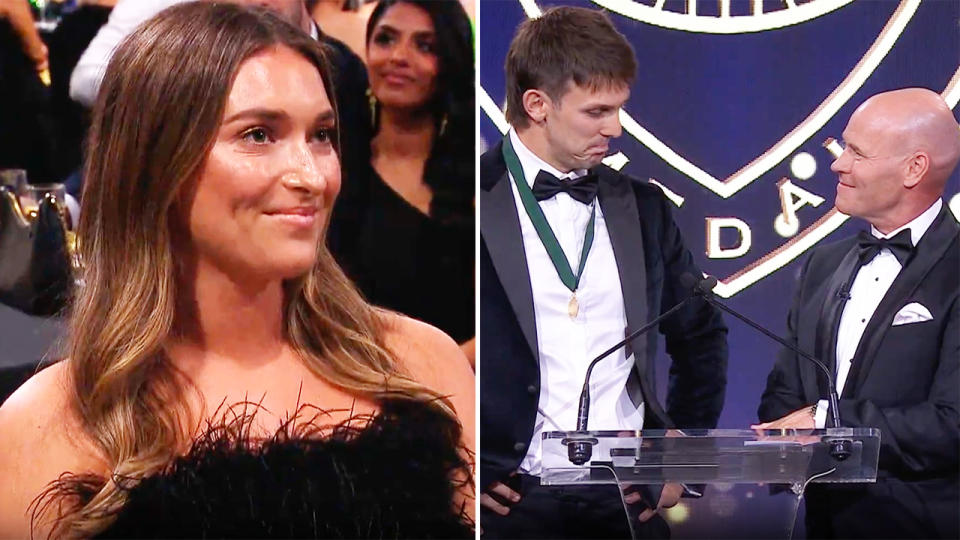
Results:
[155, 120]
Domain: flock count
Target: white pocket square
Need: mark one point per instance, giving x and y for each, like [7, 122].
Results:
[913, 312]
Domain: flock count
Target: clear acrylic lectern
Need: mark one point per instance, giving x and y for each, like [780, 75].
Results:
[720, 456]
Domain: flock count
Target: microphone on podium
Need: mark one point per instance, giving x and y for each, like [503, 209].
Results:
[580, 447]
[840, 449]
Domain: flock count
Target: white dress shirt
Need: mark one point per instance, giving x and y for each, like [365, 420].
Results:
[867, 291]
[566, 346]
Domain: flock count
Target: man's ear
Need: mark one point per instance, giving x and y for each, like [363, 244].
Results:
[917, 167]
[537, 104]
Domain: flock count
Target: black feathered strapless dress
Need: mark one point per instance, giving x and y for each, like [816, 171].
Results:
[386, 476]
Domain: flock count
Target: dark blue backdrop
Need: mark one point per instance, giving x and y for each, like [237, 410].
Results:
[718, 116]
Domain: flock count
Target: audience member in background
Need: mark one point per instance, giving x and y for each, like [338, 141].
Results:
[17, 12]
[350, 77]
[404, 231]
[26, 131]
[346, 20]
[76, 30]
[126, 15]
[212, 167]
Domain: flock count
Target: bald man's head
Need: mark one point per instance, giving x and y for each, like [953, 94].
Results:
[918, 120]
[901, 148]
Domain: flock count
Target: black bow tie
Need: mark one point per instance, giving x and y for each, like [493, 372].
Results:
[900, 245]
[583, 189]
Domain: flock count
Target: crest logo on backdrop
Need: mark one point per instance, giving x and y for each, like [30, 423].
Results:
[737, 104]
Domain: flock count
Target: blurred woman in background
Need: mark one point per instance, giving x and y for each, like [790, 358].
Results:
[404, 230]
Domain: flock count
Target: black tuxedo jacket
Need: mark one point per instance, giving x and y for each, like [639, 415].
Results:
[903, 379]
[349, 88]
[650, 258]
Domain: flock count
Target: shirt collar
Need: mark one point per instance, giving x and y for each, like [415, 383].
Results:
[532, 164]
[315, 31]
[918, 226]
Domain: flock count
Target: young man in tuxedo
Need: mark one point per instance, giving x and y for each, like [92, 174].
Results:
[881, 310]
[573, 256]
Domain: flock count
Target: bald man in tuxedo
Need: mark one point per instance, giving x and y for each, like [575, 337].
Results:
[881, 309]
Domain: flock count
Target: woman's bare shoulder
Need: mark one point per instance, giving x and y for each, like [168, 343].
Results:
[425, 351]
[28, 415]
[433, 358]
[40, 438]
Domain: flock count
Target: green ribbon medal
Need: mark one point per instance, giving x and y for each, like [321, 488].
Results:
[547, 237]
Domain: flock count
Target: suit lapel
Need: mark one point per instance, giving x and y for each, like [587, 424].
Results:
[622, 218]
[932, 247]
[500, 228]
[831, 304]
[807, 341]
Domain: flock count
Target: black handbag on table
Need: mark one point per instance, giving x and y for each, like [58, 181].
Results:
[35, 261]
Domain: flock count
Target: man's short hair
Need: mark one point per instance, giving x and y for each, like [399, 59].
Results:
[565, 44]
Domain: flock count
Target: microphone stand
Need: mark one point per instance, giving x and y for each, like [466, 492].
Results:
[580, 447]
[840, 449]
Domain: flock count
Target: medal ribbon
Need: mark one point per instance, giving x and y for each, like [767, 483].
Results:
[547, 237]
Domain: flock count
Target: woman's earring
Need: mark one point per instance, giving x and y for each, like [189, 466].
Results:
[443, 125]
[372, 102]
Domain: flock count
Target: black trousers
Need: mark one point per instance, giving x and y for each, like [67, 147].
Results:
[567, 512]
[840, 511]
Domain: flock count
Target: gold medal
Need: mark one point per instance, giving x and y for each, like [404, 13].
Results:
[573, 307]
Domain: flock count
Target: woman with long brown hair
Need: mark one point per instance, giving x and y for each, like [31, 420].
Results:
[224, 377]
